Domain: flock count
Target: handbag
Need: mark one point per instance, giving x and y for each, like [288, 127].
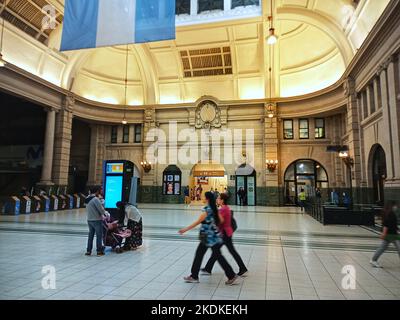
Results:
[233, 222]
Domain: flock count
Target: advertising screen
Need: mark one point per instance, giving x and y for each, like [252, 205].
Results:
[115, 168]
[113, 191]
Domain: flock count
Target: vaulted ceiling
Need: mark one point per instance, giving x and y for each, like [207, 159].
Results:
[226, 57]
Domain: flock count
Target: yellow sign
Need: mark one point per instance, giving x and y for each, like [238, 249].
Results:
[209, 173]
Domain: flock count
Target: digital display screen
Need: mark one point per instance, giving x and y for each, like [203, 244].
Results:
[113, 191]
[115, 168]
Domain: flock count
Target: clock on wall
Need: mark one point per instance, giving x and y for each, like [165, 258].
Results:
[208, 112]
[208, 115]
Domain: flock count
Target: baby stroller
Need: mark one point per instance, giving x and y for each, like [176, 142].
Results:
[115, 236]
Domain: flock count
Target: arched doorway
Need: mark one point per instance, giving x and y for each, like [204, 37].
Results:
[246, 179]
[304, 174]
[207, 176]
[379, 173]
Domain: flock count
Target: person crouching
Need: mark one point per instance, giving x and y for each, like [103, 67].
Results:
[133, 221]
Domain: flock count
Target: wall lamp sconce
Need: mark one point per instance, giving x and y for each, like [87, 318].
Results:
[146, 166]
[272, 165]
[344, 155]
[270, 111]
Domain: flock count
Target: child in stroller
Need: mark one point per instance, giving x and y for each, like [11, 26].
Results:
[114, 235]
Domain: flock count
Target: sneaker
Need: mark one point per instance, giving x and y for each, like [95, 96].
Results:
[88, 253]
[190, 279]
[232, 281]
[101, 253]
[243, 274]
[205, 272]
[375, 264]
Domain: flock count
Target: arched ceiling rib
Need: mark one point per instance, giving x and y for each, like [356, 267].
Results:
[321, 22]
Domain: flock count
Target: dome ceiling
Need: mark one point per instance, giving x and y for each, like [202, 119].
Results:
[228, 59]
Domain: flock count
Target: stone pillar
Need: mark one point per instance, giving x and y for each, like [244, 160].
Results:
[62, 144]
[364, 160]
[272, 195]
[390, 84]
[337, 133]
[353, 130]
[149, 191]
[149, 178]
[46, 179]
[97, 153]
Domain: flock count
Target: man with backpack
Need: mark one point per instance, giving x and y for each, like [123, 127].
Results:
[227, 227]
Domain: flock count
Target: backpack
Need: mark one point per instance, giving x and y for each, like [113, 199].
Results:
[233, 222]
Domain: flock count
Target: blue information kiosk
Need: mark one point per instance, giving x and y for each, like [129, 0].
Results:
[117, 184]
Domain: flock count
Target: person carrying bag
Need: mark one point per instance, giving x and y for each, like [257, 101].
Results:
[228, 226]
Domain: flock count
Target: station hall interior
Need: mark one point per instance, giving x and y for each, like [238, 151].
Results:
[289, 107]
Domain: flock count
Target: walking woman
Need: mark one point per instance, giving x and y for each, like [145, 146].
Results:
[227, 233]
[389, 235]
[209, 238]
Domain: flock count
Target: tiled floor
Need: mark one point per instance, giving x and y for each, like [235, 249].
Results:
[289, 255]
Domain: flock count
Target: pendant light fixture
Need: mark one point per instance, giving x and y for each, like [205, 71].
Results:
[124, 121]
[270, 106]
[272, 37]
[2, 61]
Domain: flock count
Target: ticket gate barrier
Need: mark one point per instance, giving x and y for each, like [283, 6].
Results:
[26, 205]
[54, 203]
[62, 202]
[83, 198]
[77, 201]
[45, 203]
[13, 206]
[70, 201]
[36, 204]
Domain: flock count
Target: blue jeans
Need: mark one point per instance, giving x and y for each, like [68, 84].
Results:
[95, 227]
[383, 247]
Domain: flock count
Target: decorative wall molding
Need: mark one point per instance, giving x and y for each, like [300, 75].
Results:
[208, 115]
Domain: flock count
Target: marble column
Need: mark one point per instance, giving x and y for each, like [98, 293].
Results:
[393, 114]
[353, 130]
[97, 154]
[46, 179]
[271, 153]
[62, 143]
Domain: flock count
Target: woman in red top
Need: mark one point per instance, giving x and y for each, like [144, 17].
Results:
[227, 232]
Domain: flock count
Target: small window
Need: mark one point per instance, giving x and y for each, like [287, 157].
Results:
[114, 134]
[371, 98]
[209, 5]
[303, 129]
[182, 7]
[243, 3]
[379, 91]
[319, 128]
[125, 135]
[288, 129]
[138, 133]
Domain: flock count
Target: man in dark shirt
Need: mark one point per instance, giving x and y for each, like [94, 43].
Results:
[390, 232]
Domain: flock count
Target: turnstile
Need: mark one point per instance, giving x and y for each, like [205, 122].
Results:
[26, 205]
[13, 206]
[54, 203]
[36, 204]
